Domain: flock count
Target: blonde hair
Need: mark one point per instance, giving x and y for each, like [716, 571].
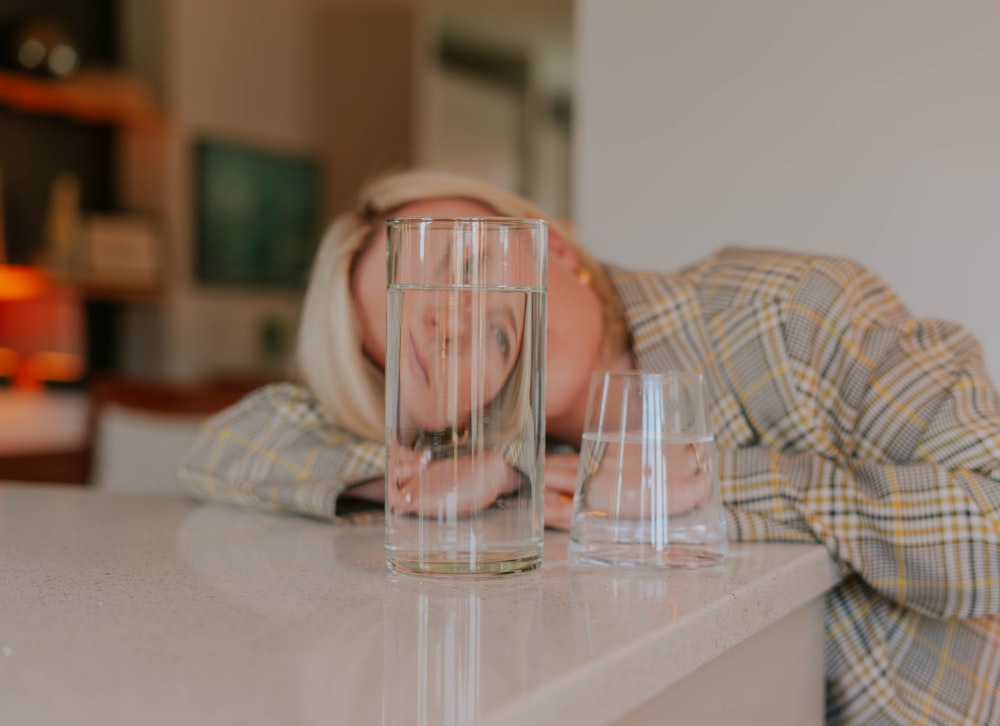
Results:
[349, 387]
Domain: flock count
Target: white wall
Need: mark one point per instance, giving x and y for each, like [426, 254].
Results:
[466, 114]
[870, 129]
[489, 130]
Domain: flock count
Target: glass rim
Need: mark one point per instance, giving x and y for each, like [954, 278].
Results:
[492, 219]
[651, 375]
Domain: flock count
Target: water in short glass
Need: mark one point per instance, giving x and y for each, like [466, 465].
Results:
[465, 393]
[648, 489]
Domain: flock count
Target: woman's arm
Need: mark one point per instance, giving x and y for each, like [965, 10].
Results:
[467, 483]
[275, 451]
[926, 537]
[879, 434]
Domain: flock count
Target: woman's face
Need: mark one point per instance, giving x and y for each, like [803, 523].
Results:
[432, 343]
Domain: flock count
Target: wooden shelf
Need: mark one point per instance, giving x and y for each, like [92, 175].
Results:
[113, 289]
[90, 96]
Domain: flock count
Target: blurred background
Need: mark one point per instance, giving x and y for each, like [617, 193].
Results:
[167, 166]
[137, 174]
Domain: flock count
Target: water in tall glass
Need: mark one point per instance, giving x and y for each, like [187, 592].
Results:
[465, 364]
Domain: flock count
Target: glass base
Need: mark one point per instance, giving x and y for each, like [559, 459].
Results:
[447, 564]
[674, 556]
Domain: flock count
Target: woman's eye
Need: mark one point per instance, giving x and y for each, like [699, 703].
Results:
[503, 342]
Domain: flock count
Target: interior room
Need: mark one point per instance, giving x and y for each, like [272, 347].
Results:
[131, 184]
[111, 175]
[792, 210]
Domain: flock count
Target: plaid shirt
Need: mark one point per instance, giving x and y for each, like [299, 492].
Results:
[840, 419]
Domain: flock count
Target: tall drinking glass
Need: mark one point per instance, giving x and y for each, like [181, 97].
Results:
[465, 392]
[648, 490]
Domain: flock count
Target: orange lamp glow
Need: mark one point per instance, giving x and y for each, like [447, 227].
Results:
[41, 329]
[18, 282]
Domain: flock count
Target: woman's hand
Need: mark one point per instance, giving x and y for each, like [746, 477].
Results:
[625, 486]
[560, 485]
[451, 487]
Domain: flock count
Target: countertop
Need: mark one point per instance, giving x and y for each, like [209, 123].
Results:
[153, 609]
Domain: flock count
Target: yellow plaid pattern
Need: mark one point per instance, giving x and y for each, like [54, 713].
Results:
[275, 451]
[840, 419]
[844, 420]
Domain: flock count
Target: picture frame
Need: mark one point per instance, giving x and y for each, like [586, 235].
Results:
[123, 247]
[256, 215]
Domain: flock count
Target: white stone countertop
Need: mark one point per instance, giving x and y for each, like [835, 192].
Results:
[129, 609]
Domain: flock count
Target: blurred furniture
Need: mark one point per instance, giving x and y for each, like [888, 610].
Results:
[157, 610]
[140, 429]
[41, 329]
[92, 96]
[123, 433]
[43, 435]
[102, 127]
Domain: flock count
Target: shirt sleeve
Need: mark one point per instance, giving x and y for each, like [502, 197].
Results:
[875, 431]
[275, 451]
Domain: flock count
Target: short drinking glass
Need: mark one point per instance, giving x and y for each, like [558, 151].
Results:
[647, 490]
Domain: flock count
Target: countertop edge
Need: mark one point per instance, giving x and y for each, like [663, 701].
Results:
[583, 697]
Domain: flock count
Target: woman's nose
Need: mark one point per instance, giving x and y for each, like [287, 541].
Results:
[450, 320]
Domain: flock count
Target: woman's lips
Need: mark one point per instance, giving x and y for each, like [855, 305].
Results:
[417, 362]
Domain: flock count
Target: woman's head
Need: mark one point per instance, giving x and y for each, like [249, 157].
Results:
[341, 345]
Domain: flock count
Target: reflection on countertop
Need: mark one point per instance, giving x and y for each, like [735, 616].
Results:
[152, 609]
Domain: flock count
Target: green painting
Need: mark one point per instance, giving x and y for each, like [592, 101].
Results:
[256, 215]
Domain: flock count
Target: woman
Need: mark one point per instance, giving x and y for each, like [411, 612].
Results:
[839, 418]
[336, 422]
